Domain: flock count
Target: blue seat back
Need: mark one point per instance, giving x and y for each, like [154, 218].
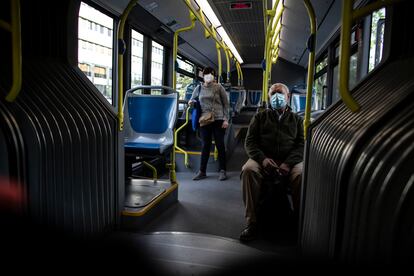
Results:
[149, 122]
[189, 90]
[150, 113]
[254, 97]
[298, 98]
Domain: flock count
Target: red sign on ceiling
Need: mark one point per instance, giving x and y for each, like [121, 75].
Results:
[240, 5]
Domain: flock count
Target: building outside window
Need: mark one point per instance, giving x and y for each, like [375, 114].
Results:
[377, 38]
[320, 93]
[157, 61]
[137, 53]
[95, 48]
[185, 77]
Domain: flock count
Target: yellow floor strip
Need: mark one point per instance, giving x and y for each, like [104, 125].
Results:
[152, 204]
[193, 153]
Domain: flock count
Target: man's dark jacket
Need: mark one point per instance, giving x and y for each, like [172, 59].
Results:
[282, 140]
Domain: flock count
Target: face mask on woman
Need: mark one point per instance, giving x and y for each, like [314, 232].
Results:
[208, 78]
[278, 101]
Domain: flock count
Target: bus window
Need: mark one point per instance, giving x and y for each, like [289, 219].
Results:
[377, 38]
[95, 48]
[353, 65]
[185, 65]
[137, 53]
[321, 65]
[320, 93]
[157, 61]
[185, 76]
[335, 84]
[183, 82]
[320, 84]
[352, 77]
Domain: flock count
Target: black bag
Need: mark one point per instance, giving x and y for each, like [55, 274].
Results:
[195, 115]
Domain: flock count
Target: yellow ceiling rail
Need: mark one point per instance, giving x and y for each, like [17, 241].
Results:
[311, 63]
[268, 26]
[121, 27]
[175, 45]
[275, 55]
[238, 72]
[349, 15]
[272, 34]
[218, 47]
[200, 17]
[241, 74]
[16, 45]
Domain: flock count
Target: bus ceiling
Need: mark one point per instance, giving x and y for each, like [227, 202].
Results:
[245, 27]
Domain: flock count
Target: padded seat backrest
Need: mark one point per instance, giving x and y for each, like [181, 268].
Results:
[254, 97]
[149, 121]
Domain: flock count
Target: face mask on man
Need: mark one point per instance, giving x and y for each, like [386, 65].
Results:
[208, 78]
[278, 101]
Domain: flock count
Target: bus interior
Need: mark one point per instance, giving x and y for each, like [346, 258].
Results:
[98, 146]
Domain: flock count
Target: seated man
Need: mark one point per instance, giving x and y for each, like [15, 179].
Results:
[274, 145]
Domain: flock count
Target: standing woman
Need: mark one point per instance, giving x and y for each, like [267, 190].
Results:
[212, 98]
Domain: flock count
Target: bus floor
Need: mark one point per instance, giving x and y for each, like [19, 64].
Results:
[199, 234]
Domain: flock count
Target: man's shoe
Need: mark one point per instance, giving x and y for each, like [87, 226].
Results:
[249, 233]
[222, 175]
[200, 175]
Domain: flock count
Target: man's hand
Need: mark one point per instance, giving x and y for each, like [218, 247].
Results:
[284, 169]
[225, 124]
[269, 165]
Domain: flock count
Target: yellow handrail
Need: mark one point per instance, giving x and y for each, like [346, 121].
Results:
[219, 62]
[153, 169]
[271, 13]
[271, 42]
[344, 57]
[14, 28]
[175, 45]
[226, 51]
[186, 163]
[241, 74]
[121, 28]
[311, 64]
[175, 50]
[348, 17]
[238, 72]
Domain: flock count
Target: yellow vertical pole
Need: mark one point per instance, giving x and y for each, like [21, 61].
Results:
[14, 28]
[344, 56]
[226, 51]
[311, 64]
[241, 75]
[238, 72]
[271, 32]
[173, 175]
[121, 28]
[219, 62]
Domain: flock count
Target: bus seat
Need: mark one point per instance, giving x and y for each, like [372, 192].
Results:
[149, 123]
[189, 90]
[236, 100]
[254, 97]
[234, 96]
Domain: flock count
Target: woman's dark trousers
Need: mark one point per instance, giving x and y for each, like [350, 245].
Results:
[207, 133]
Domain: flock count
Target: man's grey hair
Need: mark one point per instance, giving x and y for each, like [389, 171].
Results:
[282, 85]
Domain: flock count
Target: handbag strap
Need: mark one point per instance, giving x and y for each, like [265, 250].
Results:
[214, 97]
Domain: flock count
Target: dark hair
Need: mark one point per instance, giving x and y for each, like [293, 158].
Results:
[208, 70]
